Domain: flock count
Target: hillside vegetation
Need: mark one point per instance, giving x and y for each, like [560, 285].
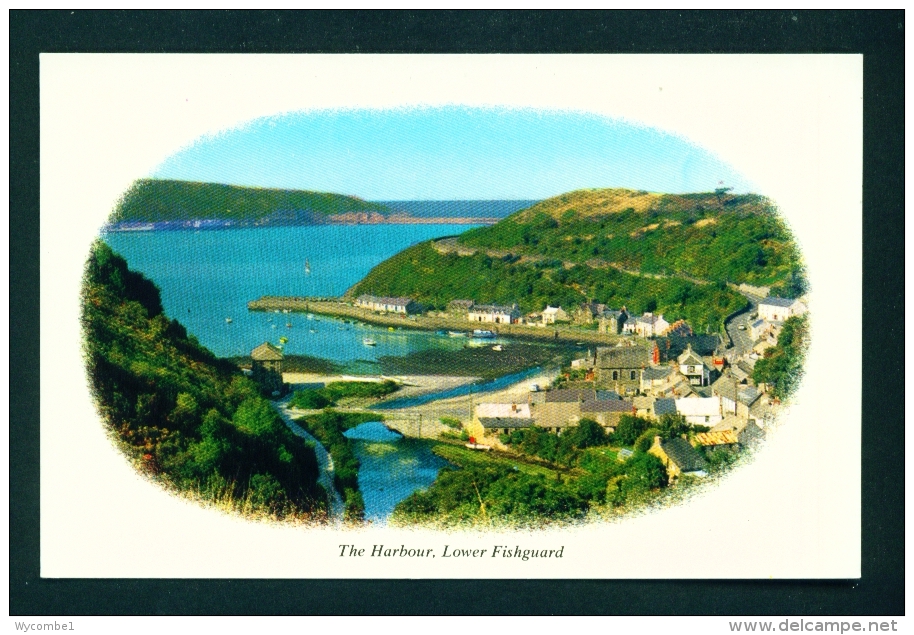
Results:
[185, 418]
[714, 236]
[158, 200]
[670, 254]
[434, 279]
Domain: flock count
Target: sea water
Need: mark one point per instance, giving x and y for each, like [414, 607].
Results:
[207, 278]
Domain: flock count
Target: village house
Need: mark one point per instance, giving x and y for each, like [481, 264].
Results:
[679, 457]
[672, 346]
[459, 307]
[779, 309]
[619, 367]
[746, 431]
[720, 440]
[266, 367]
[585, 314]
[757, 329]
[656, 379]
[650, 325]
[553, 314]
[387, 304]
[735, 398]
[612, 321]
[570, 395]
[494, 313]
[556, 416]
[680, 328]
[606, 412]
[494, 419]
[701, 411]
[694, 368]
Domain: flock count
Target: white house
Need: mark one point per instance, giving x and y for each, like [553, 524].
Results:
[494, 313]
[553, 314]
[388, 304]
[649, 325]
[779, 309]
[757, 329]
[702, 411]
[694, 368]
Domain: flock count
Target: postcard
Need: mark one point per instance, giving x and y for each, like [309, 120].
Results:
[469, 316]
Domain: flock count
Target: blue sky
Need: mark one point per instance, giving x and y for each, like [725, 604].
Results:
[449, 153]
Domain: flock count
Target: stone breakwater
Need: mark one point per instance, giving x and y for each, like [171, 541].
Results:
[337, 307]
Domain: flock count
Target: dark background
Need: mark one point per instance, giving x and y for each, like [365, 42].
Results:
[879, 35]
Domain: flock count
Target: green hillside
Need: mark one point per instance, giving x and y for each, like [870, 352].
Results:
[434, 279]
[158, 200]
[715, 236]
[182, 416]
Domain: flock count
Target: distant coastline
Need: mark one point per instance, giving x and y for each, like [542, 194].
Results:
[349, 218]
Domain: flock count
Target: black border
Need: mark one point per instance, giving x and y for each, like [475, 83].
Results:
[878, 35]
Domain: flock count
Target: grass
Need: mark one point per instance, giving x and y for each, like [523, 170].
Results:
[465, 457]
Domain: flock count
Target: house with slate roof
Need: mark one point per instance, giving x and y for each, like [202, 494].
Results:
[553, 314]
[619, 367]
[569, 395]
[388, 304]
[460, 307]
[672, 346]
[585, 313]
[735, 398]
[702, 411]
[664, 406]
[266, 367]
[494, 313]
[607, 413]
[611, 321]
[679, 457]
[650, 325]
[656, 378]
[494, 419]
[694, 368]
[556, 416]
[779, 309]
[746, 431]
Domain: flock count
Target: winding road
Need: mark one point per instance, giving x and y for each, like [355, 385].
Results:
[324, 461]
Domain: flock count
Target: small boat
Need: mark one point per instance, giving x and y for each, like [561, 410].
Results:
[283, 340]
[456, 334]
[288, 325]
[310, 316]
[497, 347]
[390, 328]
[312, 330]
[480, 333]
[228, 320]
[272, 326]
[367, 341]
[307, 268]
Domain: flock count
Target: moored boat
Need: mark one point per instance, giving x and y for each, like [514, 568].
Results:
[367, 341]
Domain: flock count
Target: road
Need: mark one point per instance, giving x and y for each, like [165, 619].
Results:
[742, 341]
[324, 461]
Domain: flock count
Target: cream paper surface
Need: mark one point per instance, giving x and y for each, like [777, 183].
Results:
[791, 124]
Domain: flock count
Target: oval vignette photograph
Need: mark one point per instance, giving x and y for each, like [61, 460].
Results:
[443, 317]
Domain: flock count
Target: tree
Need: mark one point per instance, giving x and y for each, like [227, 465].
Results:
[629, 429]
[588, 434]
[646, 439]
[645, 472]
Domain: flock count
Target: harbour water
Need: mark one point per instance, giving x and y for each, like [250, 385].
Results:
[208, 277]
